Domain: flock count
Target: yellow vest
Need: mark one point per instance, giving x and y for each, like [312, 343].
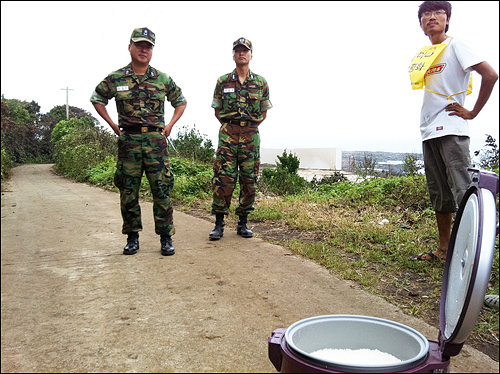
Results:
[420, 65]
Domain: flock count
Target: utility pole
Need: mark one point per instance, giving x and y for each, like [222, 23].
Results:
[67, 107]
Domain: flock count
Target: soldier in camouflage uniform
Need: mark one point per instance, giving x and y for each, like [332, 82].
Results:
[241, 101]
[140, 91]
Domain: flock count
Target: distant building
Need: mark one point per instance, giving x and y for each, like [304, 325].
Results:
[310, 158]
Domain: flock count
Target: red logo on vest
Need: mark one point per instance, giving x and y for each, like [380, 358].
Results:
[439, 128]
[436, 69]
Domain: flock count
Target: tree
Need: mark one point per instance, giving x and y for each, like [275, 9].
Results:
[367, 167]
[192, 145]
[284, 180]
[80, 146]
[16, 111]
[18, 131]
[26, 132]
[488, 155]
[288, 162]
[411, 165]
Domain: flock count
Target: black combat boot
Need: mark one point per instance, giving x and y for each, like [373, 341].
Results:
[242, 228]
[167, 249]
[132, 244]
[218, 230]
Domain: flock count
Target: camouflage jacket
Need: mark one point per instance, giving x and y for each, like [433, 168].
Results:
[139, 101]
[244, 101]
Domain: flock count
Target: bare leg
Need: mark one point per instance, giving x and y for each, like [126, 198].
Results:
[444, 229]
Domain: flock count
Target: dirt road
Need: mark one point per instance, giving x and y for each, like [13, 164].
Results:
[71, 302]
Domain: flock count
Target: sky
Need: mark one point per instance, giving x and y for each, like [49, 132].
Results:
[337, 71]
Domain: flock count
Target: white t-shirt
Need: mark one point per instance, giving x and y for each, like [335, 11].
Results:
[450, 74]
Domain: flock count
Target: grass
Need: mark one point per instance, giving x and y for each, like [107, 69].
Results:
[350, 240]
[363, 232]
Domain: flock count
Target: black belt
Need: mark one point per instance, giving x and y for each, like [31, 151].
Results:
[140, 129]
[241, 123]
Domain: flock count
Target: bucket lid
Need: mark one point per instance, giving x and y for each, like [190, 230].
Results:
[468, 263]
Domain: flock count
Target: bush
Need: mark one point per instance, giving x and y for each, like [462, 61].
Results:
[366, 168]
[64, 127]
[408, 192]
[103, 173]
[6, 164]
[193, 180]
[336, 177]
[280, 182]
[193, 146]
[412, 164]
[187, 167]
[81, 146]
[284, 180]
[288, 162]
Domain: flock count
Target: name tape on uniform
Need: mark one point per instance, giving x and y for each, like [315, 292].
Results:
[122, 88]
[228, 90]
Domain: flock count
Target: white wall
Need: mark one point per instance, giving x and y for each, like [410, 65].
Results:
[310, 158]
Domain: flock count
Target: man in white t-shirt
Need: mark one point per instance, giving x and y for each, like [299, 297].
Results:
[443, 119]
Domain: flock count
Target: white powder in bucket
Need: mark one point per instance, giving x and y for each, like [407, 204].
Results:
[356, 356]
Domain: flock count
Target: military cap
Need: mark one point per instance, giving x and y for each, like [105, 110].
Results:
[143, 34]
[242, 41]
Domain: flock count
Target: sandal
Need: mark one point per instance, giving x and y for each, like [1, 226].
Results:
[491, 301]
[419, 257]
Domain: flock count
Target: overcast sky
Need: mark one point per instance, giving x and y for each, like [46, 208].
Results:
[337, 71]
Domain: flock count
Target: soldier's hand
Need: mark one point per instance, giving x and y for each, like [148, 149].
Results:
[115, 128]
[167, 130]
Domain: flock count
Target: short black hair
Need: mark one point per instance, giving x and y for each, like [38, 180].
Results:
[435, 5]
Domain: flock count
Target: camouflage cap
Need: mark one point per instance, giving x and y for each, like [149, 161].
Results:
[143, 34]
[242, 41]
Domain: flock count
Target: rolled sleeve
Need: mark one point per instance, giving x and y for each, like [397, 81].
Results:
[216, 103]
[217, 100]
[174, 95]
[179, 101]
[98, 99]
[265, 105]
[102, 93]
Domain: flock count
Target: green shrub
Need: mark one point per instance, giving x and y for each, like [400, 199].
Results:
[188, 167]
[335, 177]
[64, 127]
[189, 186]
[193, 180]
[103, 173]
[411, 164]
[6, 164]
[280, 182]
[407, 192]
[288, 162]
[283, 180]
[80, 146]
[190, 144]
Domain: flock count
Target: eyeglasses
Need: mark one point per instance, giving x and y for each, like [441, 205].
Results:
[429, 13]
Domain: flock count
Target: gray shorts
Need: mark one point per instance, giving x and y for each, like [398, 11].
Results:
[446, 160]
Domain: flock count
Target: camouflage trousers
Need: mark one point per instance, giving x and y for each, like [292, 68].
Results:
[237, 155]
[139, 153]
